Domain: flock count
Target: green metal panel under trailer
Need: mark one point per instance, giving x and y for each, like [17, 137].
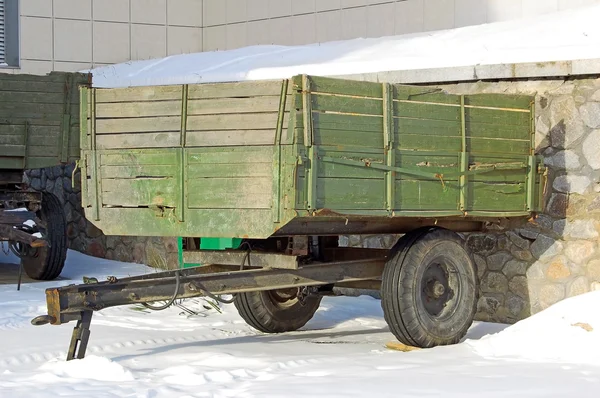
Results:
[304, 156]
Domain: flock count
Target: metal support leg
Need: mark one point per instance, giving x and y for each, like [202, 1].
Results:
[20, 274]
[81, 336]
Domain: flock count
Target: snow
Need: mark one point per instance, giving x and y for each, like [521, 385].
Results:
[566, 35]
[340, 353]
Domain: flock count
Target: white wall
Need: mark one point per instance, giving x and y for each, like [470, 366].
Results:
[72, 35]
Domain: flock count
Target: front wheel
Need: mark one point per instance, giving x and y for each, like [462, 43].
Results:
[429, 288]
[276, 311]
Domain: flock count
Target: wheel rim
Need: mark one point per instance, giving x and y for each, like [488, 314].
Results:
[283, 298]
[438, 288]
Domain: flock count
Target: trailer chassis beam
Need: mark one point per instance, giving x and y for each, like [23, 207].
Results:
[78, 302]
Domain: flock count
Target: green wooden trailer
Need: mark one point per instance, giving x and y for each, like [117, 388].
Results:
[287, 166]
[39, 127]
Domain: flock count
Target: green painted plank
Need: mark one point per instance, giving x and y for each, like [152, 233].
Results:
[488, 130]
[230, 155]
[233, 105]
[235, 89]
[231, 193]
[330, 121]
[8, 162]
[230, 137]
[424, 94]
[479, 145]
[426, 195]
[428, 143]
[350, 193]
[427, 111]
[138, 109]
[130, 94]
[13, 97]
[494, 197]
[425, 127]
[138, 157]
[138, 140]
[342, 87]
[138, 125]
[359, 106]
[140, 170]
[358, 138]
[511, 101]
[12, 150]
[139, 192]
[52, 77]
[12, 139]
[234, 121]
[249, 170]
[497, 116]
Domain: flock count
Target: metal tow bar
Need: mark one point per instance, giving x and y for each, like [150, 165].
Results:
[78, 302]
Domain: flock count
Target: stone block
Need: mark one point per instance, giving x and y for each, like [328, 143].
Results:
[481, 243]
[580, 229]
[590, 114]
[515, 304]
[566, 126]
[591, 149]
[496, 261]
[518, 240]
[518, 285]
[488, 305]
[558, 268]
[579, 251]
[572, 183]
[563, 160]
[550, 294]
[494, 282]
[481, 265]
[593, 270]
[579, 285]
[96, 248]
[514, 268]
[545, 247]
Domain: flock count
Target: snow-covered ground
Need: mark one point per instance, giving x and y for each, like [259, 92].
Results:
[562, 36]
[340, 353]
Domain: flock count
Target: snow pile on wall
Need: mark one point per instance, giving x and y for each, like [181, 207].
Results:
[566, 35]
[568, 331]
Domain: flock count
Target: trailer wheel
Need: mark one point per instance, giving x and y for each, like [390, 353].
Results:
[429, 288]
[46, 263]
[276, 311]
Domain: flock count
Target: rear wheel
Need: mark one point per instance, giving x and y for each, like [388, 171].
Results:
[46, 263]
[429, 288]
[276, 311]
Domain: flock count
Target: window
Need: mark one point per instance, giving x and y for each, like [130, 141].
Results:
[9, 33]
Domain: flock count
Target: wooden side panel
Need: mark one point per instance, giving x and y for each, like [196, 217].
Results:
[230, 178]
[40, 113]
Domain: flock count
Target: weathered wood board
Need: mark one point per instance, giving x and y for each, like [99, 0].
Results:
[39, 119]
[245, 159]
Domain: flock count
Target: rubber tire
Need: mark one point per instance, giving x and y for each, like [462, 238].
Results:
[259, 311]
[47, 262]
[400, 289]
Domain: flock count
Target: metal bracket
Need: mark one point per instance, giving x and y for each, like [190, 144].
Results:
[80, 337]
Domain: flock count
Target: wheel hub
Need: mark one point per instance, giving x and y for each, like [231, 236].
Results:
[436, 291]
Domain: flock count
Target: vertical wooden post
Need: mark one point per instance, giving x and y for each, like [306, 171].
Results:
[182, 161]
[464, 158]
[531, 172]
[96, 164]
[312, 169]
[388, 142]
[276, 203]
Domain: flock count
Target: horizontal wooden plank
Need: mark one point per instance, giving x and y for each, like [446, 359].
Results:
[138, 109]
[138, 140]
[425, 127]
[12, 129]
[496, 196]
[230, 137]
[489, 130]
[240, 121]
[426, 111]
[14, 97]
[234, 105]
[55, 76]
[12, 139]
[139, 170]
[336, 137]
[140, 157]
[350, 193]
[342, 86]
[223, 170]
[138, 125]
[424, 94]
[9, 162]
[488, 145]
[426, 195]
[333, 103]
[12, 150]
[496, 116]
[42, 150]
[147, 93]
[330, 121]
[140, 192]
[510, 101]
[32, 110]
[231, 155]
[428, 143]
[235, 89]
[234, 193]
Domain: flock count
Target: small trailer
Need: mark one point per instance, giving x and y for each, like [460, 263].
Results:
[286, 167]
[39, 127]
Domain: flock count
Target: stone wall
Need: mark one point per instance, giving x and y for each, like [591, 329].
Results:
[84, 237]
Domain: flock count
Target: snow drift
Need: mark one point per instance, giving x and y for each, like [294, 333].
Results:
[568, 332]
[566, 35]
